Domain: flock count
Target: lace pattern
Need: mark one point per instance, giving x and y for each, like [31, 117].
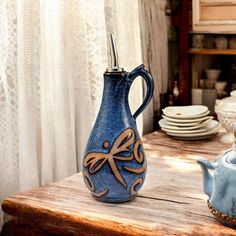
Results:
[9, 152]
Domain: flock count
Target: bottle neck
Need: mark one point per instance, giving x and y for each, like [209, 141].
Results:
[116, 89]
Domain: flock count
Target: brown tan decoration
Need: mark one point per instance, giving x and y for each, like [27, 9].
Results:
[95, 160]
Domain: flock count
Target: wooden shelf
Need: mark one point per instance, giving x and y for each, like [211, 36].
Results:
[212, 33]
[212, 51]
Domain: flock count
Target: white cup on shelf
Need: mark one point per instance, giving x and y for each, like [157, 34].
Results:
[220, 86]
[213, 74]
[221, 42]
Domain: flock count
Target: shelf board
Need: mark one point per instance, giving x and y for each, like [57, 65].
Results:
[213, 51]
[213, 33]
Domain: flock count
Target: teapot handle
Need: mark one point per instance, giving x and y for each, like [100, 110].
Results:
[140, 71]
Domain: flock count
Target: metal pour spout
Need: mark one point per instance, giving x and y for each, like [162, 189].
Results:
[114, 65]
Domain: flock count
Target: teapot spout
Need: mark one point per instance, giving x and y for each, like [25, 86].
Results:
[207, 177]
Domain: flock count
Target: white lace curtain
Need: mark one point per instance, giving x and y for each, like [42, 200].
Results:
[52, 57]
[154, 26]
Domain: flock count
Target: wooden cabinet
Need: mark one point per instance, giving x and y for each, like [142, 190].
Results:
[214, 16]
[203, 59]
[211, 18]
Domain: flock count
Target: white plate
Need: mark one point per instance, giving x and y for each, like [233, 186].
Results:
[215, 128]
[211, 125]
[185, 112]
[195, 138]
[188, 125]
[167, 125]
[194, 131]
[187, 118]
[187, 121]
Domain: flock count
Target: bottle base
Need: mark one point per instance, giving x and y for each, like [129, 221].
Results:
[114, 200]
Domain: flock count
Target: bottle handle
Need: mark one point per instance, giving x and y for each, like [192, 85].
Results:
[140, 71]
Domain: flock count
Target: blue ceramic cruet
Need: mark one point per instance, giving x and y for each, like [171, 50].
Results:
[114, 163]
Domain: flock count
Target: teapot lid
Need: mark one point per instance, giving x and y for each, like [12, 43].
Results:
[227, 104]
[231, 158]
[114, 65]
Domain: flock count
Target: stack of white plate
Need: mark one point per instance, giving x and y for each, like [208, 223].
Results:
[188, 122]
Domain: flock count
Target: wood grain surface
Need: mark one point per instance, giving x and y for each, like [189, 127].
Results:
[171, 201]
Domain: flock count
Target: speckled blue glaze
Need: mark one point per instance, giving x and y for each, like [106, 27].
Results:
[114, 120]
[221, 185]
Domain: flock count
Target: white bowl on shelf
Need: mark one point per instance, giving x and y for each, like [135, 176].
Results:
[221, 42]
[212, 74]
[220, 86]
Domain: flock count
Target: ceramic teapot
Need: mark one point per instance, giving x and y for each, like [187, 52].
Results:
[114, 164]
[220, 186]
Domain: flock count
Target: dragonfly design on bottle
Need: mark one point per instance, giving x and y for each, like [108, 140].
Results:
[124, 148]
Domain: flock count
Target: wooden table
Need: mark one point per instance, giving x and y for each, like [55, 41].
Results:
[170, 203]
